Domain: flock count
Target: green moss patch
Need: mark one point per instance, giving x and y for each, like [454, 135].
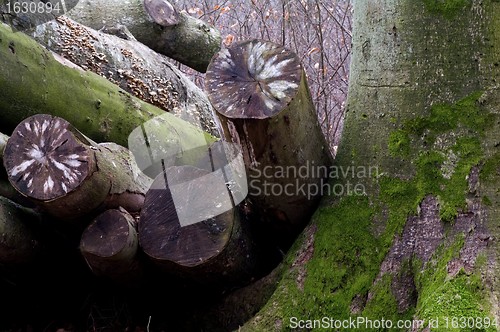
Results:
[383, 303]
[447, 8]
[448, 300]
[446, 145]
[345, 263]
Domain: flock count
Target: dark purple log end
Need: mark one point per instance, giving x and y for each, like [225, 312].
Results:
[43, 158]
[253, 80]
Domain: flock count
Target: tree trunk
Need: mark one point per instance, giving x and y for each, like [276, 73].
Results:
[192, 234]
[132, 66]
[109, 245]
[423, 114]
[69, 176]
[34, 82]
[190, 41]
[18, 243]
[260, 93]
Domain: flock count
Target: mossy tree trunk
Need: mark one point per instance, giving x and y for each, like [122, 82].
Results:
[422, 135]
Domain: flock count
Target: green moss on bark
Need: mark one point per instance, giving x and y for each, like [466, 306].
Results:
[444, 300]
[447, 8]
[447, 144]
[384, 304]
[344, 264]
[347, 250]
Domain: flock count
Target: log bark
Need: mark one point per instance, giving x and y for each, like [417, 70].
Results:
[190, 227]
[18, 243]
[68, 175]
[110, 246]
[34, 82]
[3, 141]
[132, 66]
[260, 93]
[190, 41]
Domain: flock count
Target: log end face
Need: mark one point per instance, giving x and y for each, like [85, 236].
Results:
[254, 79]
[162, 12]
[43, 158]
[108, 235]
[163, 234]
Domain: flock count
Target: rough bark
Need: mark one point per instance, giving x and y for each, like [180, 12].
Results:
[18, 243]
[110, 246]
[69, 176]
[34, 82]
[260, 93]
[3, 142]
[423, 92]
[132, 66]
[191, 41]
[192, 234]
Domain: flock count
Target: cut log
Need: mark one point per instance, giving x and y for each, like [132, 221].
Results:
[190, 227]
[34, 82]
[132, 66]
[261, 96]
[109, 245]
[68, 175]
[162, 12]
[18, 243]
[189, 40]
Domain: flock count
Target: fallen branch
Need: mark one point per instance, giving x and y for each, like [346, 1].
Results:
[18, 243]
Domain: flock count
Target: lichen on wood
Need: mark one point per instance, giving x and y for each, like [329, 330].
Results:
[192, 41]
[34, 82]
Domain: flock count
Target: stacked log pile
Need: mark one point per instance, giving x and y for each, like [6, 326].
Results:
[176, 202]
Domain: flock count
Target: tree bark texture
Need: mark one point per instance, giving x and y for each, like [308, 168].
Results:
[33, 81]
[260, 93]
[191, 41]
[132, 66]
[423, 108]
[69, 176]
